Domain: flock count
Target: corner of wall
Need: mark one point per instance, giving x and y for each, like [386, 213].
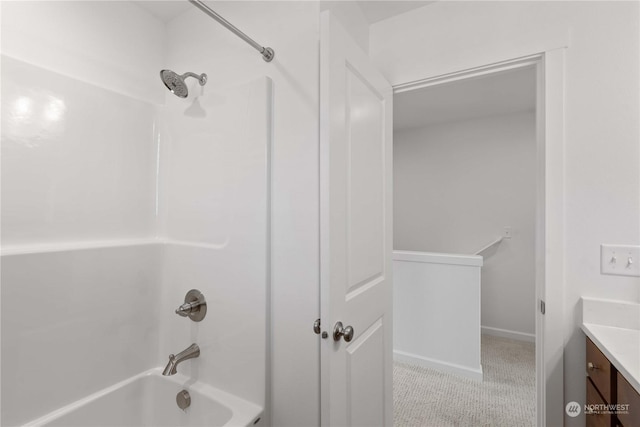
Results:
[349, 14]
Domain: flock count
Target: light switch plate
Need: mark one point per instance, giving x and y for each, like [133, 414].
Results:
[620, 260]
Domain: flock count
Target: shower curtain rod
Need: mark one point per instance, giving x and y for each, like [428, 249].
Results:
[267, 52]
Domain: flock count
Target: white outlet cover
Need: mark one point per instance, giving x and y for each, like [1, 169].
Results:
[620, 260]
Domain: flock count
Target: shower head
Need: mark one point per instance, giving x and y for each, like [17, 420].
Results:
[175, 82]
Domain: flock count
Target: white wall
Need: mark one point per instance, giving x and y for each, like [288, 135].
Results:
[199, 44]
[436, 311]
[456, 186]
[352, 19]
[601, 126]
[115, 45]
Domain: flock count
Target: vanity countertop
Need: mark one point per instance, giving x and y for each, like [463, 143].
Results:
[614, 326]
[622, 348]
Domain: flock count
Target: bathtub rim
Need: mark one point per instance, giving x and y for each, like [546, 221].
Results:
[243, 412]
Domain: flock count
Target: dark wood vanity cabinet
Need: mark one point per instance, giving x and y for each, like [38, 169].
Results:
[628, 395]
[606, 386]
[600, 386]
[596, 420]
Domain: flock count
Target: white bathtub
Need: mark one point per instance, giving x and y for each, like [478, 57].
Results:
[436, 311]
[149, 400]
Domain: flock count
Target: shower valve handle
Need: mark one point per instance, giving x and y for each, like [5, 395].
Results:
[187, 308]
[194, 307]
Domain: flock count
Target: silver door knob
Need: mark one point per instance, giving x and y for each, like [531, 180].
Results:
[340, 331]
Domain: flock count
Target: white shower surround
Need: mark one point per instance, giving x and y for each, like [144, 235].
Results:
[103, 283]
[77, 40]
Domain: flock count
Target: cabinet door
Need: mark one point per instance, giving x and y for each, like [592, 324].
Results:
[596, 419]
[599, 370]
[627, 395]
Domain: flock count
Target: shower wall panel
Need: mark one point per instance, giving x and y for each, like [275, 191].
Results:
[197, 43]
[203, 210]
[78, 161]
[80, 277]
[214, 210]
[74, 322]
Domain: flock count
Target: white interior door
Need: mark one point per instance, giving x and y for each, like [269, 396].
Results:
[356, 233]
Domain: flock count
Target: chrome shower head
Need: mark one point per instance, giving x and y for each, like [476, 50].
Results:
[175, 82]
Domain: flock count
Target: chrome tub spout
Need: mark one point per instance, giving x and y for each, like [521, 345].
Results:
[174, 360]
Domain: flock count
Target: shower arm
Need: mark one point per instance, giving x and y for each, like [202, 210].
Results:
[202, 78]
[267, 52]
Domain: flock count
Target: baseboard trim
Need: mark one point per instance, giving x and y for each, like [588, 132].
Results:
[425, 362]
[505, 333]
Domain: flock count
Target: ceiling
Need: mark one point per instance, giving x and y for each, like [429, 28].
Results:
[373, 10]
[164, 10]
[500, 93]
[376, 11]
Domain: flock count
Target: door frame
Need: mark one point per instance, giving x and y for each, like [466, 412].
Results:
[549, 228]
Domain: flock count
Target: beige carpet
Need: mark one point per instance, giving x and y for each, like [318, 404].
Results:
[506, 397]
